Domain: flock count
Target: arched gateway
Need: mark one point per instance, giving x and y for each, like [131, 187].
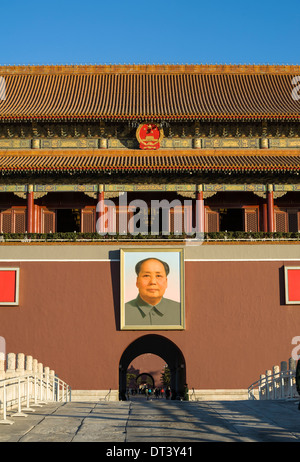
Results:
[160, 346]
[149, 377]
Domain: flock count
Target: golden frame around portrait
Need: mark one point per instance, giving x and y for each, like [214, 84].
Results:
[152, 289]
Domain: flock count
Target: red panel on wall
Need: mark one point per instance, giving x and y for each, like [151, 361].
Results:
[7, 286]
[293, 285]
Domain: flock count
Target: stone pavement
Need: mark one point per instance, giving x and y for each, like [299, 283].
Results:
[158, 421]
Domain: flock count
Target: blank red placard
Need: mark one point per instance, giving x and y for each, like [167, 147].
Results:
[293, 276]
[7, 286]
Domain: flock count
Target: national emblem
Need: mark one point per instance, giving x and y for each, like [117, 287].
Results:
[149, 136]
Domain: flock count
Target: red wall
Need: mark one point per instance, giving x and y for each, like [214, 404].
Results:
[237, 324]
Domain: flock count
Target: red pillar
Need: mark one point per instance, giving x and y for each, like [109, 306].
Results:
[270, 202]
[100, 211]
[265, 217]
[199, 211]
[30, 210]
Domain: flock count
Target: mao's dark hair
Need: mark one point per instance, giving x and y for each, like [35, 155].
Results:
[139, 264]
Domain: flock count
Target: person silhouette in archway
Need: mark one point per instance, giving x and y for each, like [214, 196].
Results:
[151, 307]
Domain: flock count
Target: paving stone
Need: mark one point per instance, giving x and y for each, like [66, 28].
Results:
[158, 421]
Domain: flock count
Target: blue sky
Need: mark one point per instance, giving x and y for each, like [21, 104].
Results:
[164, 31]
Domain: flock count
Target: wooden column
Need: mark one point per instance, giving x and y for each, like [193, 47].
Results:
[100, 211]
[270, 202]
[199, 210]
[265, 217]
[30, 210]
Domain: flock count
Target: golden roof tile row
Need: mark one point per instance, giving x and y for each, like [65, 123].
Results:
[149, 92]
[95, 161]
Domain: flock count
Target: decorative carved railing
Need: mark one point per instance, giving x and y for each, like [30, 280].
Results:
[25, 384]
[278, 383]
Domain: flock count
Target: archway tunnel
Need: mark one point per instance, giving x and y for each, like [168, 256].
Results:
[160, 346]
[141, 378]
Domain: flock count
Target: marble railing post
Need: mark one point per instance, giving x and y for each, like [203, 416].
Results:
[2, 377]
[269, 383]
[47, 381]
[20, 369]
[40, 369]
[51, 378]
[2, 369]
[276, 372]
[11, 373]
[292, 379]
[28, 371]
[284, 381]
[34, 366]
[40, 373]
[283, 366]
[262, 391]
[34, 373]
[20, 364]
[10, 366]
[28, 364]
[292, 364]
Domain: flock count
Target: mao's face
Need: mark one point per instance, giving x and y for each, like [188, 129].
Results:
[152, 281]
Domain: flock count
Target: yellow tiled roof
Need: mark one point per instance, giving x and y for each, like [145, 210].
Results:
[97, 161]
[171, 92]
